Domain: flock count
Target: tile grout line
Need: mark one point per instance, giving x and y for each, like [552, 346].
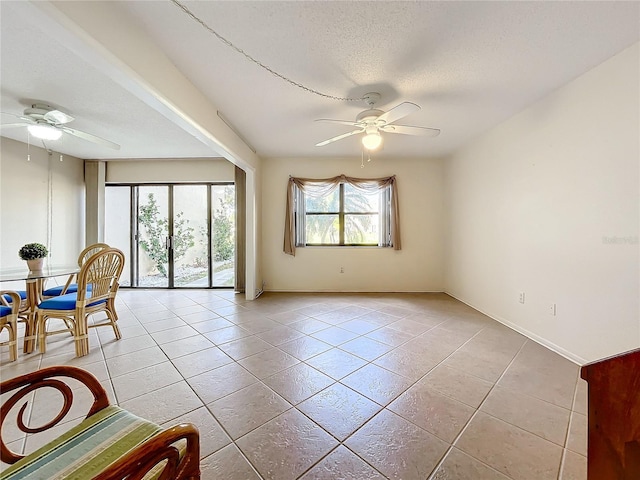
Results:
[369, 362]
[473, 416]
[273, 310]
[384, 407]
[565, 448]
[204, 405]
[310, 419]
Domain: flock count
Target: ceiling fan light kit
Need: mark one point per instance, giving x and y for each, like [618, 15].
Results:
[372, 140]
[47, 123]
[44, 131]
[372, 122]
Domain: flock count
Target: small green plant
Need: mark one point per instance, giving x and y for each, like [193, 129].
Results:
[31, 251]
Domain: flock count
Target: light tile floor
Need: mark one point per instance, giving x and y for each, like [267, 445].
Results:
[334, 386]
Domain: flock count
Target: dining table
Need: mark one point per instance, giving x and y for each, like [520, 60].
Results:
[35, 281]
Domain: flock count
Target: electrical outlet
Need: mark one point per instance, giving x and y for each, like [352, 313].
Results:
[552, 309]
[521, 297]
[341, 269]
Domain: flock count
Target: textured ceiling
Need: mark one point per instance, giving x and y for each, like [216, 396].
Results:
[469, 65]
[37, 68]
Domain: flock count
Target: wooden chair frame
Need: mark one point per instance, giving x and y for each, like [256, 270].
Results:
[10, 321]
[134, 464]
[85, 255]
[97, 288]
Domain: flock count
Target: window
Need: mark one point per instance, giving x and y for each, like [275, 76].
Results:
[341, 211]
[346, 216]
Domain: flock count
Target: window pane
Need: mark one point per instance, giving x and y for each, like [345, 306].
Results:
[117, 230]
[361, 229]
[322, 229]
[357, 201]
[153, 231]
[224, 235]
[190, 236]
[328, 203]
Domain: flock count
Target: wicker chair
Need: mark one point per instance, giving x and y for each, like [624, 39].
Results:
[71, 287]
[109, 444]
[9, 308]
[97, 287]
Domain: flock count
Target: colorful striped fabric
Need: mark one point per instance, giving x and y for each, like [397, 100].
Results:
[85, 450]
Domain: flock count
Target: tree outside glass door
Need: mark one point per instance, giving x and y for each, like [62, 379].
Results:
[190, 237]
[223, 235]
[180, 235]
[152, 240]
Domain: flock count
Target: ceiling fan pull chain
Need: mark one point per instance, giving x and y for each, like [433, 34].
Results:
[229, 44]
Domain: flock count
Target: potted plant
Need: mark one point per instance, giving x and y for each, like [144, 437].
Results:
[34, 254]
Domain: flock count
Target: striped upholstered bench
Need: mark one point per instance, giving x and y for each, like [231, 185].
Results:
[110, 443]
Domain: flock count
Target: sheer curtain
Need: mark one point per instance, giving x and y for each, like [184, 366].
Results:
[324, 186]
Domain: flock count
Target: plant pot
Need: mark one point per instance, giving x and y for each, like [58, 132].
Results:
[36, 264]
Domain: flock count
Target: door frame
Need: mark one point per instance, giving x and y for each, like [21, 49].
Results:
[134, 231]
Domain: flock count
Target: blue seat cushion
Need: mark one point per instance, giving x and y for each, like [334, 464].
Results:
[22, 293]
[64, 302]
[4, 310]
[55, 291]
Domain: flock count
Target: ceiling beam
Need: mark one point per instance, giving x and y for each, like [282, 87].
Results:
[107, 38]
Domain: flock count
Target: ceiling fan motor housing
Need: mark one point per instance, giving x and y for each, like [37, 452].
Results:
[369, 115]
[373, 122]
[371, 98]
[37, 111]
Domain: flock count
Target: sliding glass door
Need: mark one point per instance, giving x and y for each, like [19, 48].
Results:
[178, 235]
[118, 225]
[152, 238]
[190, 239]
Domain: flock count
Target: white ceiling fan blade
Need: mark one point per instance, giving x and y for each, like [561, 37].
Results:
[411, 130]
[339, 137]
[398, 112]
[341, 122]
[21, 117]
[90, 138]
[57, 117]
[11, 125]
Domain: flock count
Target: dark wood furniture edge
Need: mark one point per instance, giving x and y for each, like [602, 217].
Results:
[614, 417]
[133, 465]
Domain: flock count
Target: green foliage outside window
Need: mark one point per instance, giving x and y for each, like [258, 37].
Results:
[223, 227]
[360, 212]
[156, 231]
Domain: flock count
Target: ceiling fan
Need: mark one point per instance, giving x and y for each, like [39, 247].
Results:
[372, 122]
[47, 123]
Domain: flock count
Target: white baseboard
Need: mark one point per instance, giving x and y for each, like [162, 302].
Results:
[352, 291]
[536, 338]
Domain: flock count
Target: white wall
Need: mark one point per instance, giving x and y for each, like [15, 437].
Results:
[32, 193]
[418, 267]
[136, 63]
[548, 204]
[170, 170]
